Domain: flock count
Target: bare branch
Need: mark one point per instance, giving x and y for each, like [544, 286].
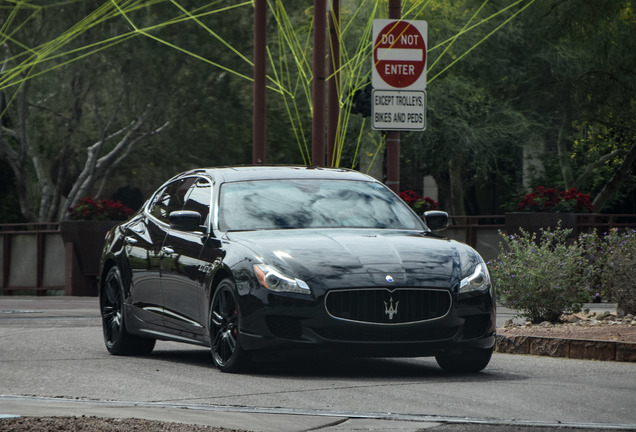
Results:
[612, 186]
[96, 168]
[589, 170]
[123, 156]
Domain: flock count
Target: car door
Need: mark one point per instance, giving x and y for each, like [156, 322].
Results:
[144, 240]
[183, 272]
[143, 248]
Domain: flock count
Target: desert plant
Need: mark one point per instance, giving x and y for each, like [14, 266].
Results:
[541, 277]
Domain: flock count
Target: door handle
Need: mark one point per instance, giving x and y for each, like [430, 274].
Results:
[167, 250]
[130, 240]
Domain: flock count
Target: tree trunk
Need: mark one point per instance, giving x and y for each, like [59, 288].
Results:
[17, 159]
[564, 156]
[443, 191]
[612, 186]
[456, 186]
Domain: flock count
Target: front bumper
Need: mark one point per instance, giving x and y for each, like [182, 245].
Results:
[292, 323]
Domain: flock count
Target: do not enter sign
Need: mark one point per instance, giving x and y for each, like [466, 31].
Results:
[399, 55]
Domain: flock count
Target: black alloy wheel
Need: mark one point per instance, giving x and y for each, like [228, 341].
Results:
[118, 341]
[225, 343]
[473, 360]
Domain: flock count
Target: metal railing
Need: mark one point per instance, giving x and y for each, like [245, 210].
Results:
[34, 255]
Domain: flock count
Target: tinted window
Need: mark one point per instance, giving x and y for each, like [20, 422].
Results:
[198, 199]
[285, 204]
[170, 198]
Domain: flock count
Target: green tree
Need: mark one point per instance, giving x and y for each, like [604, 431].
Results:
[501, 77]
[473, 130]
[577, 73]
[557, 81]
[86, 111]
[65, 126]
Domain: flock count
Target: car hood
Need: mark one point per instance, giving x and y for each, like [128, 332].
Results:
[337, 258]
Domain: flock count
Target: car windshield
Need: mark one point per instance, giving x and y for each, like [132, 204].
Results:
[312, 203]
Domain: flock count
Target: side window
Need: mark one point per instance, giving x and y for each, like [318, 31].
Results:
[198, 199]
[170, 198]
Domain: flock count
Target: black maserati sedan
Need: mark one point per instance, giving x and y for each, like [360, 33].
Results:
[279, 260]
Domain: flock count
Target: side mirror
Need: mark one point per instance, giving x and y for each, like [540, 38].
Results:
[436, 220]
[186, 220]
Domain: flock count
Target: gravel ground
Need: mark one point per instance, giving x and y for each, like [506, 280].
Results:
[605, 327]
[98, 424]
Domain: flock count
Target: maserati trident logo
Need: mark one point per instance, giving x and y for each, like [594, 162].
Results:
[390, 309]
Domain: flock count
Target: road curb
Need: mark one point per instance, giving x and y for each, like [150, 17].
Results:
[568, 348]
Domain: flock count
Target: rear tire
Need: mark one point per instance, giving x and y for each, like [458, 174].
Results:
[117, 339]
[474, 360]
[224, 325]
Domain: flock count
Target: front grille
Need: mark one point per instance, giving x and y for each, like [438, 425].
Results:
[383, 306]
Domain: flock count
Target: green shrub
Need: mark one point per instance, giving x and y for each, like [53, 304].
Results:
[542, 277]
[546, 276]
[617, 268]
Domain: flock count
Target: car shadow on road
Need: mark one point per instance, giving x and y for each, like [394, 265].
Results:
[372, 368]
[312, 366]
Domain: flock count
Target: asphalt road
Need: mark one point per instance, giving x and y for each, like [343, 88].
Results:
[53, 362]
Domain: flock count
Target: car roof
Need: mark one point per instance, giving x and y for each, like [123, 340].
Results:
[275, 172]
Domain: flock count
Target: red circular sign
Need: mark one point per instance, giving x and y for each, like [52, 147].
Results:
[399, 54]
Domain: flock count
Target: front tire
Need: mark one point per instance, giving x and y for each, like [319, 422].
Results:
[227, 354]
[117, 339]
[464, 361]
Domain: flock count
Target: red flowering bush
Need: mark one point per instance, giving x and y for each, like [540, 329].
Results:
[90, 209]
[418, 203]
[555, 200]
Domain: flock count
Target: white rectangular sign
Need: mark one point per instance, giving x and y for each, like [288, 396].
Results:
[398, 54]
[398, 110]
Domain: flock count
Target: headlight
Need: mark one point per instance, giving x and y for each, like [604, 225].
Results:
[274, 280]
[478, 281]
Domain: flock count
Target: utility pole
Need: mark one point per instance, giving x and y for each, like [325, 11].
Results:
[318, 88]
[393, 137]
[259, 119]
